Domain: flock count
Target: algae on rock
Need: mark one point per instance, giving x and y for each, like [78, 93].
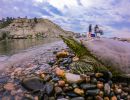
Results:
[85, 56]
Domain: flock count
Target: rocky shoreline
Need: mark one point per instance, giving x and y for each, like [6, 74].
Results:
[47, 75]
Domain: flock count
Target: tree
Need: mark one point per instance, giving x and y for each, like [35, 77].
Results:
[6, 21]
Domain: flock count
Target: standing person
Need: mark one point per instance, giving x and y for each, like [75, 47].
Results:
[96, 30]
[90, 31]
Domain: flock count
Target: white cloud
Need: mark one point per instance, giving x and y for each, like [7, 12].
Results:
[16, 8]
[39, 1]
[60, 4]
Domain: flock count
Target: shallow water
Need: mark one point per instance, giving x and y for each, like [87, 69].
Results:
[10, 47]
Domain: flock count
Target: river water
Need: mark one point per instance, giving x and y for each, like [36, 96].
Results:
[10, 47]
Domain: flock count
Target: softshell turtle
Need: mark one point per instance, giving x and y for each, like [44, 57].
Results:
[103, 54]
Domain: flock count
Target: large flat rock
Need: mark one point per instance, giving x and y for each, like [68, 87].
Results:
[113, 53]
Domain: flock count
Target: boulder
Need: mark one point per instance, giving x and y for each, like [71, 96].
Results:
[73, 78]
[62, 54]
[33, 83]
[111, 52]
[49, 87]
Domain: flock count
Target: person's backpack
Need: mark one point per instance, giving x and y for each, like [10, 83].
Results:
[92, 35]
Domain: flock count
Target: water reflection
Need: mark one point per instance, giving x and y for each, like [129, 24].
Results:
[9, 47]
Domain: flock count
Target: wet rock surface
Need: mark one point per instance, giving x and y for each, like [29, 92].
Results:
[53, 80]
[32, 83]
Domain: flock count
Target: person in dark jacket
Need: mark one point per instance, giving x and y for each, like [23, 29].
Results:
[90, 30]
[96, 30]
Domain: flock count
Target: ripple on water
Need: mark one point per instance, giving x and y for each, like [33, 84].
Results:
[3, 58]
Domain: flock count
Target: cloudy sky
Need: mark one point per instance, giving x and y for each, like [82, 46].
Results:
[111, 15]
